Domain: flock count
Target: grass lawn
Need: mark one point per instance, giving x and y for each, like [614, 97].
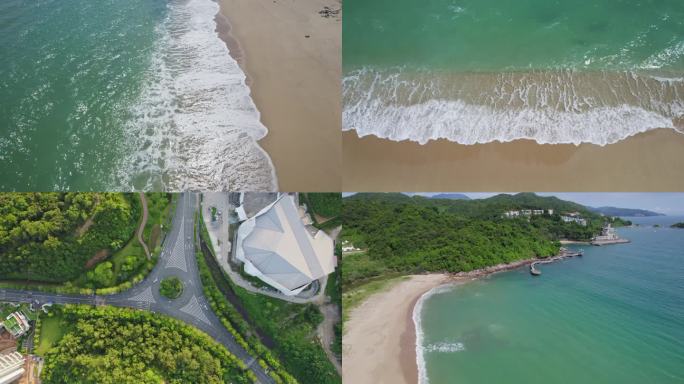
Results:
[133, 248]
[160, 210]
[50, 333]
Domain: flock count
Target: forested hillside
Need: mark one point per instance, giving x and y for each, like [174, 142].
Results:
[327, 205]
[51, 236]
[415, 234]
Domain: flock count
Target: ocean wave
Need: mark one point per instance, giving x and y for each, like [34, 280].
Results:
[194, 125]
[561, 106]
[420, 336]
[445, 347]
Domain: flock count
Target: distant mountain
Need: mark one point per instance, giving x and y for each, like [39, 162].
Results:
[492, 207]
[392, 196]
[626, 212]
[529, 200]
[450, 196]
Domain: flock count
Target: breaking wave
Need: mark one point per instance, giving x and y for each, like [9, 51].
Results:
[420, 349]
[194, 126]
[444, 347]
[551, 106]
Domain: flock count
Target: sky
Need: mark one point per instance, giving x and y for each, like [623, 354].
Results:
[662, 202]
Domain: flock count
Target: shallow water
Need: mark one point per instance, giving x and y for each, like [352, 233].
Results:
[476, 72]
[120, 95]
[616, 315]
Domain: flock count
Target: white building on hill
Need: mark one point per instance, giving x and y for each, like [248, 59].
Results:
[578, 220]
[277, 248]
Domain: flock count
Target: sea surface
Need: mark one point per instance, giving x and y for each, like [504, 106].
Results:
[615, 315]
[474, 71]
[121, 95]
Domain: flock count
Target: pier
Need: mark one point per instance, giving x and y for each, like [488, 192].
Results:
[564, 253]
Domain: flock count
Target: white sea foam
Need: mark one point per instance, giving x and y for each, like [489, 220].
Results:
[445, 347]
[548, 107]
[195, 123]
[416, 315]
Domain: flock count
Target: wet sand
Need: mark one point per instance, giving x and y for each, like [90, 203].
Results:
[295, 83]
[650, 161]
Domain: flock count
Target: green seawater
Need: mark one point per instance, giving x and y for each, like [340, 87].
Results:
[479, 71]
[124, 95]
[504, 35]
[615, 315]
[69, 70]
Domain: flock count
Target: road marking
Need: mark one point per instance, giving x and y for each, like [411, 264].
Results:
[177, 258]
[144, 296]
[194, 309]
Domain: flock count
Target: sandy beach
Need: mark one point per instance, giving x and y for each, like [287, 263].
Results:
[378, 345]
[379, 342]
[650, 161]
[292, 56]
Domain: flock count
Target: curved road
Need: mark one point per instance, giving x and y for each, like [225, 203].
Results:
[177, 259]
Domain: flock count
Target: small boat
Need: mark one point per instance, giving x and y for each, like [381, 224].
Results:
[534, 271]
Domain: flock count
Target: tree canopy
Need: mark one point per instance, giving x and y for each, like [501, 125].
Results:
[51, 236]
[171, 287]
[116, 345]
[327, 205]
[415, 234]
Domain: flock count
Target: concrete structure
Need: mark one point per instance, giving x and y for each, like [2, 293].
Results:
[527, 212]
[11, 367]
[347, 246]
[16, 324]
[576, 219]
[608, 236]
[276, 247]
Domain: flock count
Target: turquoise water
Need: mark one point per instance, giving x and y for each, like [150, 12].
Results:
[504, 35]
[121, 95]
[474, 71]
[615, 315]
[67, 68]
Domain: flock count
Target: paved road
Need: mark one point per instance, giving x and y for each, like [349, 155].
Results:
[177, 259]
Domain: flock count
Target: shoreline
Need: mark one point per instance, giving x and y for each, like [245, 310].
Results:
[383, 329]
[291, 56]
[538, 141]
[654, 160]
[568, 242]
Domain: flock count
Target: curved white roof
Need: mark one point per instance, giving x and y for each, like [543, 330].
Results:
[277, 248]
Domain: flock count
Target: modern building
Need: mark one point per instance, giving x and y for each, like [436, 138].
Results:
[11, 367]
[276, 247]
[16, 324]
[575, 219]
[527, 212]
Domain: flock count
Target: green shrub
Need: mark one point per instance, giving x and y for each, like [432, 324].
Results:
[171, 287]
